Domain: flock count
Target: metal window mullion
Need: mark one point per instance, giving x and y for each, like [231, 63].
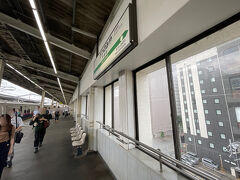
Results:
[173, 108]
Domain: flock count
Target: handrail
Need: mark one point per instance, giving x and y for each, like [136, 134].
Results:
[163, 158]
[85, 116]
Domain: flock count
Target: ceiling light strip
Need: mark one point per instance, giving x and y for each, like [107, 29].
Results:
[61, 89]
[30, 80]
[40, 27]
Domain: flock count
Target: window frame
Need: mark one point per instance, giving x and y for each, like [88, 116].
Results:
[167, 57]
[112, 101]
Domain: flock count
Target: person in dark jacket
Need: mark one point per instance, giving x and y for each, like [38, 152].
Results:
[40, 130]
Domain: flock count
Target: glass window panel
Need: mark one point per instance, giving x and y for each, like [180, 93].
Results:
[211, 145]
[215, 64]
[117, 122]
[213, 79]
[108, 106]
[216, 101]
[218, 111]
[154, 120]
[223, 136]
[214, 90]
[220, 124]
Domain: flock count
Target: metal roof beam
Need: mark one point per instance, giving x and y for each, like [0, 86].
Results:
[19, 25]
[38, 67]
[55, 87]
[41, 78]
[85, 33]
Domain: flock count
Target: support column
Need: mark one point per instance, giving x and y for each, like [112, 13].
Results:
[42, 100]
[4, 109]
[98, 113]
[52, 103]
[126, 103]
[90, 105]
[2, 65]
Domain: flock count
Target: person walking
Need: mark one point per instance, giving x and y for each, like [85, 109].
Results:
[40, 130]
[56, 115]
[17, 122]
[7, 133]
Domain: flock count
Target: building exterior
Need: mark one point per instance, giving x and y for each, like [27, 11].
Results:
[209, 95]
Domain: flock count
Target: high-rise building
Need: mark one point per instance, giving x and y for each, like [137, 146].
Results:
[209, 96]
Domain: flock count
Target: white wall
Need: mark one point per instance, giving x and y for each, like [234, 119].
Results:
[143, 103]
[98, 112]
[131, 164]
[154, 13]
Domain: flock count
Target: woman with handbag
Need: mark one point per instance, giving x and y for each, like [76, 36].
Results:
[7, 133]
[17, 122]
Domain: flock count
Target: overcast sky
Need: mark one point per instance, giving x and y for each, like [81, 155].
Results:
[10, 89]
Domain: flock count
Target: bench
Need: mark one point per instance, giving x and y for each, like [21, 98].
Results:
[78, 137]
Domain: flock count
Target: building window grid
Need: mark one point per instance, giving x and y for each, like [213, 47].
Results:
[208, 122]
[214, 90]
[210, 133]
[218, 112]
[199, 141]
[211, 145]
[216, 101]
[220, 124]
[223, 136]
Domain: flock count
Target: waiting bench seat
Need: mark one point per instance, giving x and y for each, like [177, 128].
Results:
[78, 137]
[81, 141]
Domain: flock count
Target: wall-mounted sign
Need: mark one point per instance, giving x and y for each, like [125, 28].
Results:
[115, 48]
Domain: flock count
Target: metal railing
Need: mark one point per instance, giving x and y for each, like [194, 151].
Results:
[184, 169]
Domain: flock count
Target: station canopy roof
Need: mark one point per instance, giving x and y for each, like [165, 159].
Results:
[71, 28]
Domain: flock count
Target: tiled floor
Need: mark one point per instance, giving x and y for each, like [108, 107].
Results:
[55, 159]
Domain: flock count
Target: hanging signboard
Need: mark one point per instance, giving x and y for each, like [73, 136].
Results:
[120, 40]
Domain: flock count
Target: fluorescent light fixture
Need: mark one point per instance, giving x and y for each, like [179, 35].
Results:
[35, 12]
[50, 56]
[40, 27]
[32, 81]
[61, 90]
[32, 3]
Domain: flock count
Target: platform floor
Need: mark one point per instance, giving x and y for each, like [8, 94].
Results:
[55, 160]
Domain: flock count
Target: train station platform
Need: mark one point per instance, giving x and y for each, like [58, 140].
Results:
[55, 159]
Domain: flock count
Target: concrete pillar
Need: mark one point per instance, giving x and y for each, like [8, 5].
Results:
[98, 113]
[52, 102]
[90, 106]
[126, 103]
[42, 100]
[2, 65]
[3, 109]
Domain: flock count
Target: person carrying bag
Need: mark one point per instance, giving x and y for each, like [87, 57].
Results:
[18, 134]
[17, 122]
